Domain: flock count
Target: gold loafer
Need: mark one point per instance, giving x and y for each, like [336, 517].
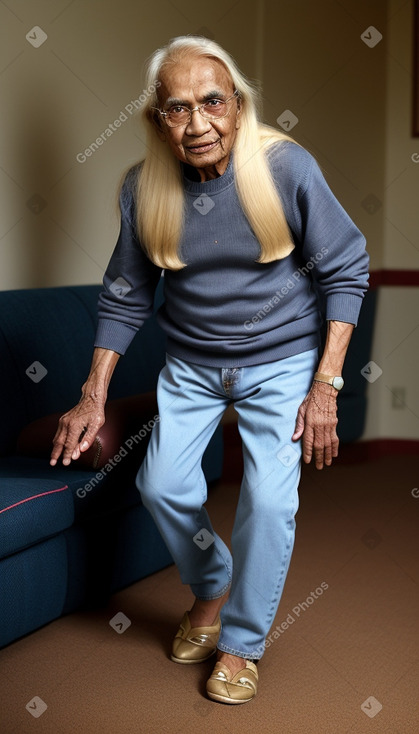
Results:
[195, 644]
[227, 688]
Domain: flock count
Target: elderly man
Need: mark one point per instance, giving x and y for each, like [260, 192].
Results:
[253, 246]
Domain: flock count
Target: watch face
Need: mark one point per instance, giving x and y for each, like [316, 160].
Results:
[338, 383]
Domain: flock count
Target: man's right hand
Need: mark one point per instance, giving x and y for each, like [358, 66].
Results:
[77, 429]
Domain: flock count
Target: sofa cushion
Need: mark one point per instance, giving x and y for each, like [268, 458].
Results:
[46, 338]
[46, 344]
[127, 422]
[33, 588]
[31, 510]
[93, 494]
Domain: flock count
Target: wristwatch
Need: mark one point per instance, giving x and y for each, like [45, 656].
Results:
[336, 382]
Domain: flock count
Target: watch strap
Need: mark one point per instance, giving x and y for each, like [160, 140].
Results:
[336, 381]
[321, 377]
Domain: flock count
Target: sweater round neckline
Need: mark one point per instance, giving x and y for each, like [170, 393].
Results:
[214, 185]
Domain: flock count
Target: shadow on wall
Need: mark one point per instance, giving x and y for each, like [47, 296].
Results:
[38, 155]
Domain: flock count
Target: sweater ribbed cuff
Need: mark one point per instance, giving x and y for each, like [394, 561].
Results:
[111, 334]
[343, 307]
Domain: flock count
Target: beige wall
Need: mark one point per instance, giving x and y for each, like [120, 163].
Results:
[60, 97]
[352, 101]
[317, 66]
[396, 340]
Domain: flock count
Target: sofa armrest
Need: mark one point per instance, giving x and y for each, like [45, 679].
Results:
[125, 418]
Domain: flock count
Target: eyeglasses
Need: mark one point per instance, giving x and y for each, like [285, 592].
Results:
[213, 109]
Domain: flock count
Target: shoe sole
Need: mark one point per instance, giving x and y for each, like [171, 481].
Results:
[224, 699]
[192, 662]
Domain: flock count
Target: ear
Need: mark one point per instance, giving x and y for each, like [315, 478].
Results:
[238, 113]
[157, 123]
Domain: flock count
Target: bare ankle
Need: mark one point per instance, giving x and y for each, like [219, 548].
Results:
[233, 662]
[204, 613]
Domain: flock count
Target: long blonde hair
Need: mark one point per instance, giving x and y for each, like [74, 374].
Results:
[159, 190]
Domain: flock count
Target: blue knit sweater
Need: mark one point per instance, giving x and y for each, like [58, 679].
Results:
[224, 309]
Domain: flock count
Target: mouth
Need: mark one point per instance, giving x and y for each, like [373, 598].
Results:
[202, 147]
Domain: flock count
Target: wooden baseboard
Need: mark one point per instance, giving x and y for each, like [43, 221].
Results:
[376, 448]
[349, 453]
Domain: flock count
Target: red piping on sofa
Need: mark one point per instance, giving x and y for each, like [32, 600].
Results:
[34, 497]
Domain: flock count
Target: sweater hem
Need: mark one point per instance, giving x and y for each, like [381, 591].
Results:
[228, 359]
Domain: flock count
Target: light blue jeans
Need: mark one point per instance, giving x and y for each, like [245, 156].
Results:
[191, 402]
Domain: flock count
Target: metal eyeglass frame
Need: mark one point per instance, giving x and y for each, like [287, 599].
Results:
[199, 109]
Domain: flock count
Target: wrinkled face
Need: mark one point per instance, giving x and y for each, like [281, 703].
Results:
[204, 144]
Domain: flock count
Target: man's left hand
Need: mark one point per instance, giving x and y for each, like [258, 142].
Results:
[316, 423]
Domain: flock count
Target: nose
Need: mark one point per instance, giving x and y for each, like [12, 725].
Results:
[198, 124]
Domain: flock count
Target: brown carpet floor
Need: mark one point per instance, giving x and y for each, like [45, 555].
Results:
[345, 662]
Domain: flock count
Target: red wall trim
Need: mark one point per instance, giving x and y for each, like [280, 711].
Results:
[393, 277]
[376, 448]
[349, 453]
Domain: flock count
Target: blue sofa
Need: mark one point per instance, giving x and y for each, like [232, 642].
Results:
[71, 536]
